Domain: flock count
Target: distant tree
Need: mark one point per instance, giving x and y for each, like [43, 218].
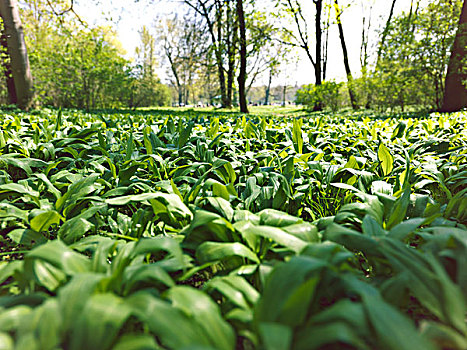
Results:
[147, 89]
[455, 92]
[183, 44]
[414, 57]
[299, 36]
[348, 72]
[18, 61]
[385, 30]
[212, 11]
[243, 57]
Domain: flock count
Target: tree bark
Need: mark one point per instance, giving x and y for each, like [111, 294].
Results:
[242, 74]
[284, 95]
[231, 43]
[17, 52]
[218, 48]
[348, 72]
[202, 9]
[268, 88]
[455, 90]
[319, 35]
[385, 32]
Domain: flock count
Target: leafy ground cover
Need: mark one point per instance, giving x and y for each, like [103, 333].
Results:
[203, 230]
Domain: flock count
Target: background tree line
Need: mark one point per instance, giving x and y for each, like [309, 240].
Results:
[407, 67]
[76, 65]
[216, 51]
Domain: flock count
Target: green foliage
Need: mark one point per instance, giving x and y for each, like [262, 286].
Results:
[210, 230]
[81, 66]
[328, 94]
[414, 58]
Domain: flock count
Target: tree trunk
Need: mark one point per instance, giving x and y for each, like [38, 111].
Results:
[455, 91]
[284, 94]
[218, 53]
[348, 72]
[268, 88]
[319, 34]
[242, 74]
[385, 32]
[214, 28]
[231, 40]
[17, 52]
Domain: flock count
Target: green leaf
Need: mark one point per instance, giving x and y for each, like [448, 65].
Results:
[222, 206]
[273, 233]
[99, 323]
[275, 336]
[386, 159]
[393, 330]
[44, 220]
[185, 134]
[192, 319]
[11, 319]
[213, 251]
[13, 188]
[401, 230]
[26, 237]
[289, 290]
[74, 229]
[59, 255]
[236, 289]
[297, 137]
[399, 209]
[206, 313]
[272, 217]
[136, 342]
[6, 342]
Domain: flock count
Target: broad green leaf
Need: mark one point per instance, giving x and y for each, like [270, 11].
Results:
[275, 336]
[289, 291]
[386, 159]
[44, 220]
[11, 319]
[392, 329]
[59, 255]
[399, 209]
[213, 251]
[275, 234]
[205, 313]
[236, 289]
[297, 135]
[136, 342]
[6, 342]
[271, 217]
[74, 229]
[27, 237]
[14, 188]
[99, 323]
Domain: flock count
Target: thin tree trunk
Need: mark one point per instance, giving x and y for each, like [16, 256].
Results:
[231, 39]
[268, 88]
[217, 47]
[242, 74]
[18, 53]
[455, 92]
[324, 61]
[319, 34]
[216, 41]
[348, 72]
[385, 32]
[284, 94]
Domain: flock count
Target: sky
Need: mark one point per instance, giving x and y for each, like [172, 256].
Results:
[128, 17]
